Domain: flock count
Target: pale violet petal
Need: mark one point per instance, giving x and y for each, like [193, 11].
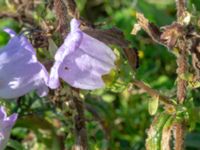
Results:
[54, 77]
[97, 49]
[10, 32]
[71, 43]
[20, 71]
[82, 71]
[2, 113]
[74, 25]
[6, 125]
[81, 60]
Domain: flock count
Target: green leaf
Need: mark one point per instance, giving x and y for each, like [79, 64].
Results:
[154, 139]
[153, 105]
[186, 76]
[52, 47]
[192, 81]
[193, 84]
[166, 133]
[15, 145]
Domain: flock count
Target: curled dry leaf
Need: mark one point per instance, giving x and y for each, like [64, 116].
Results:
[136, 29]
[152, 30]
[171, 34]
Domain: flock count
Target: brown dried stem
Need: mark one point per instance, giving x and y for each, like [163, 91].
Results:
[181, 84]
[152, 92]
[182, 69]
[181, 8]
[80, 129]
[152, 30]
[63, 19]
[71, 8]
[18, 17]
[181, 94]
[9, 15]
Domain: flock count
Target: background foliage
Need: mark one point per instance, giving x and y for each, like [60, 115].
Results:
[121, 110]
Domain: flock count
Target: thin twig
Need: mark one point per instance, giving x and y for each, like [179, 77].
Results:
[18, 17]
[152, 92]
[9, 15]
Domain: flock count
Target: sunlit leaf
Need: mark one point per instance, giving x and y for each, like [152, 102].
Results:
[15, 145]
[153, 105]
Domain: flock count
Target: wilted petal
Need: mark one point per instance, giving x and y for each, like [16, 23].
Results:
[81, 60]
[6, 124]
[20, 71]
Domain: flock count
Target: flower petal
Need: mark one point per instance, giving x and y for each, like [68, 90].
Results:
[97, 49]
[20, 71]
[83, 71]
[10, 32]
[54, 77]
[81, 60]
[2, 113]
[70, 44]
[5, 128]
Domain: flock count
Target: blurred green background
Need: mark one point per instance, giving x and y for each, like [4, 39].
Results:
[123, 118]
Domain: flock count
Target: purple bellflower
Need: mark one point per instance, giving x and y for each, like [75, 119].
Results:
[20, 71]
[81, 60]
[6, 124]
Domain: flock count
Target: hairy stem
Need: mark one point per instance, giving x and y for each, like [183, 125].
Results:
[182, 68]
[179, 129]
[181, 95]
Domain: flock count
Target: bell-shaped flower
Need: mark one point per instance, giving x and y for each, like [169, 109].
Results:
[20, 71]
[81, 60]
[6, 124]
